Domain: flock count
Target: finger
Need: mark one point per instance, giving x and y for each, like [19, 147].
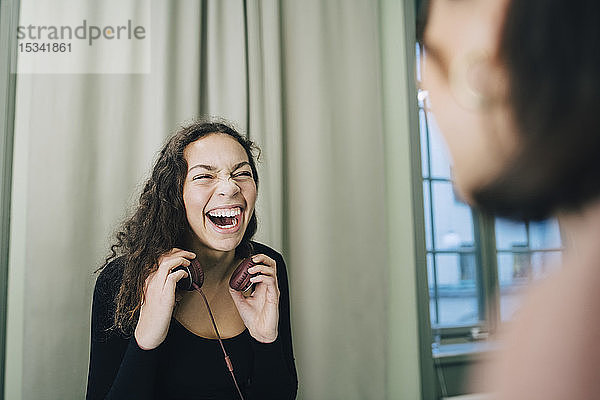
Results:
[168, 264]
[175, 252]
[262, 269]
[183, 253]
[176, 276]
[269, 280]
[263, 259]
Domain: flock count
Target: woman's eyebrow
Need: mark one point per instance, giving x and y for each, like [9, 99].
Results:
[240, 165]
[213, 168]
[206, 167]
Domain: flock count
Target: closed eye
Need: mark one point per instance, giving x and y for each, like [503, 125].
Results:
[202, 177]
[243, 174]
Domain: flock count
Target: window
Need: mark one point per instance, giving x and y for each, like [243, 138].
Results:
[477, 265]
[524, 252]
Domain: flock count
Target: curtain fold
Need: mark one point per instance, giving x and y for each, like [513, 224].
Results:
[265, 119]
[335, 183]
[83, 145]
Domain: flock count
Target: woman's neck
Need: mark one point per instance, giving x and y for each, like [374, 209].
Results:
[581, 233]
[217, 265]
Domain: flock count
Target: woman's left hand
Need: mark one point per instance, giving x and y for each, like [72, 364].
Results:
[260, 311]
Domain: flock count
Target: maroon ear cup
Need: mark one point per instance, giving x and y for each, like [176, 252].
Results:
[240, 279]
[195, 275]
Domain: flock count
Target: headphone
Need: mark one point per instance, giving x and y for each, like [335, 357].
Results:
[240, 279]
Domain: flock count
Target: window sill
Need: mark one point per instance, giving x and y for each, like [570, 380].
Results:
[463, 351]
[477, 396]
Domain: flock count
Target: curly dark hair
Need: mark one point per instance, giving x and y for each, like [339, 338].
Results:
[159, 222]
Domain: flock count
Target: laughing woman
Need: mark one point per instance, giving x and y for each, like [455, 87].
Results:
[152, 340]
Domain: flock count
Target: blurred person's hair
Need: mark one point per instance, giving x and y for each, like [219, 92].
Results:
[551, 51]
[159, 222]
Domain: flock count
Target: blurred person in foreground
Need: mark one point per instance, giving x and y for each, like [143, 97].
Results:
[515, 88]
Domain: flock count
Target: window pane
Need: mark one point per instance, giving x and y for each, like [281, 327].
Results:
[424, 145]
[510, 234]
[427, 213]
[456, 289]
[432, 294]
[516, 271]
[518, 265]
[453, 223]
[543, 263]
[544, 235]
[513, 271]
[440, 164]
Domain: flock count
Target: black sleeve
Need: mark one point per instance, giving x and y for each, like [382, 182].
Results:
[274, 373]
[119, 368]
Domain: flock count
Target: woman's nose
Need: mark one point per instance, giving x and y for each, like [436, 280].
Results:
[227, 187]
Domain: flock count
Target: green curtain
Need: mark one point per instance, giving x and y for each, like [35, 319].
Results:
[83, 145]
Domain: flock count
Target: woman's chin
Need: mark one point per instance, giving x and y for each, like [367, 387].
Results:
[224, 244]
[212, 239]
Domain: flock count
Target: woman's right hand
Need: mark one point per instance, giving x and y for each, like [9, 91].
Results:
[159, 299]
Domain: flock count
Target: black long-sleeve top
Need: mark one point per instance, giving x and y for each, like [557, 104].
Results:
[187, 366]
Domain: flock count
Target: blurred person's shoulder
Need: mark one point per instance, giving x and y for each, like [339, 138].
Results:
[550, 349]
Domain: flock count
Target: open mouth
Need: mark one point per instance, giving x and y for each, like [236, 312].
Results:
[225, 219]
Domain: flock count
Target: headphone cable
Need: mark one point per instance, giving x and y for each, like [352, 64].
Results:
[227, 360]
